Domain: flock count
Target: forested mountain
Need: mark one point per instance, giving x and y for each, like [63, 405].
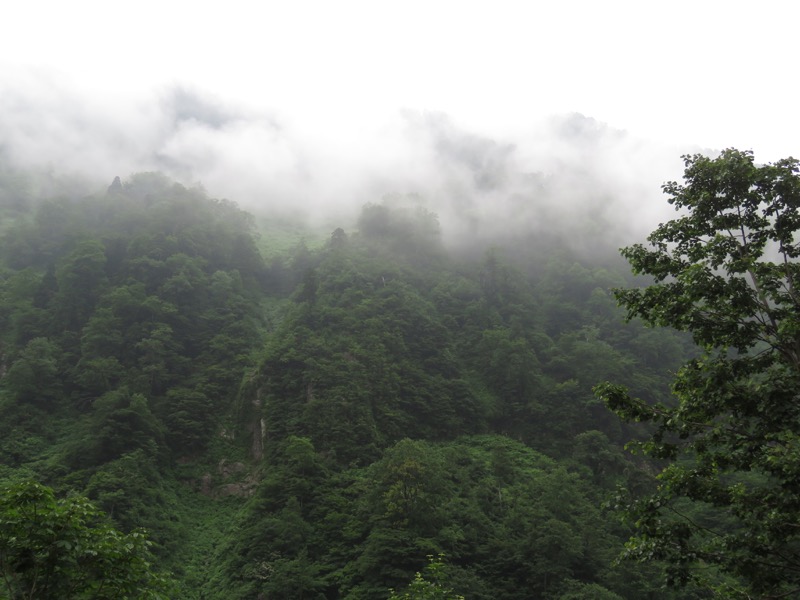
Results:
[312, 420]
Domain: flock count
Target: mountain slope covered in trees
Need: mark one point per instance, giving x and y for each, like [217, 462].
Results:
[295, 422]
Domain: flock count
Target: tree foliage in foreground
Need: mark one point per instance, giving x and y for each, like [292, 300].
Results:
[727, 271]
[51, 548]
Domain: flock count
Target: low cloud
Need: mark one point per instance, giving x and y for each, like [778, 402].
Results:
[561, 174]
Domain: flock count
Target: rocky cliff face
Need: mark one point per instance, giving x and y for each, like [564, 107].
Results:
[229, 479]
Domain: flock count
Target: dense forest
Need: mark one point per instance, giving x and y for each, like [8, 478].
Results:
[292, 413]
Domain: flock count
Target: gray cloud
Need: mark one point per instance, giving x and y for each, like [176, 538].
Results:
[563, 173]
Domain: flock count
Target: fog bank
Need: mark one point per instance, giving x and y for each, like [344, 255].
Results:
[566, 173]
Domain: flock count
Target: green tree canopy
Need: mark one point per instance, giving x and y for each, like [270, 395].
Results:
[726, 271]
[63, 548]
[429, 585]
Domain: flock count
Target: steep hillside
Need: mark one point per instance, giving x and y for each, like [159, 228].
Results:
[316, 426]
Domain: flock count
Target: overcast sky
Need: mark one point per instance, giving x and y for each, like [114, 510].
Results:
[706, 72]
[294, 90]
